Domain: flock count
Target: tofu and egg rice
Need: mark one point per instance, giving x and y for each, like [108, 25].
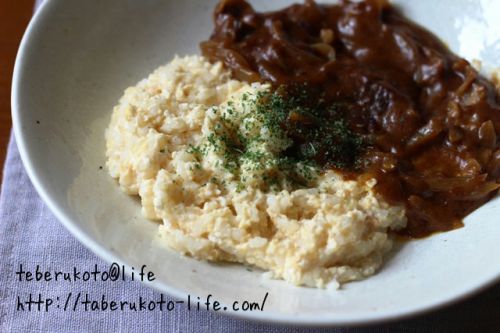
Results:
[164, 144]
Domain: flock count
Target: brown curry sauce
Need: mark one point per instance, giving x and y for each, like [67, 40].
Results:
[430, 117]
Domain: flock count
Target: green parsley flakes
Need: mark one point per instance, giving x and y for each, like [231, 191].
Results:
[279, 139]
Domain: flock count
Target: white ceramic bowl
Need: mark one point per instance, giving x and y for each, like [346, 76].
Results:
[76, 59]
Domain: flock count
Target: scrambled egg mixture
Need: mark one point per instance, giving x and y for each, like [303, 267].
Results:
[166, 143]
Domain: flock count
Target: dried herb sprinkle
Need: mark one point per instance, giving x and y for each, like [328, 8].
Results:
[285, 137]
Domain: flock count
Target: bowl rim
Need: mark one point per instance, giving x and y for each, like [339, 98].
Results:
[43, 14]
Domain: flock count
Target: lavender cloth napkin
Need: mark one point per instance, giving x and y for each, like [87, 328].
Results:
[30, 236]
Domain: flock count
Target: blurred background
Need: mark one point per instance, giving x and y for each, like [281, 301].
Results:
[14, 17]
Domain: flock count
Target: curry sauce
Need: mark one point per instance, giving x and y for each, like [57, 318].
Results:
[429, 117]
